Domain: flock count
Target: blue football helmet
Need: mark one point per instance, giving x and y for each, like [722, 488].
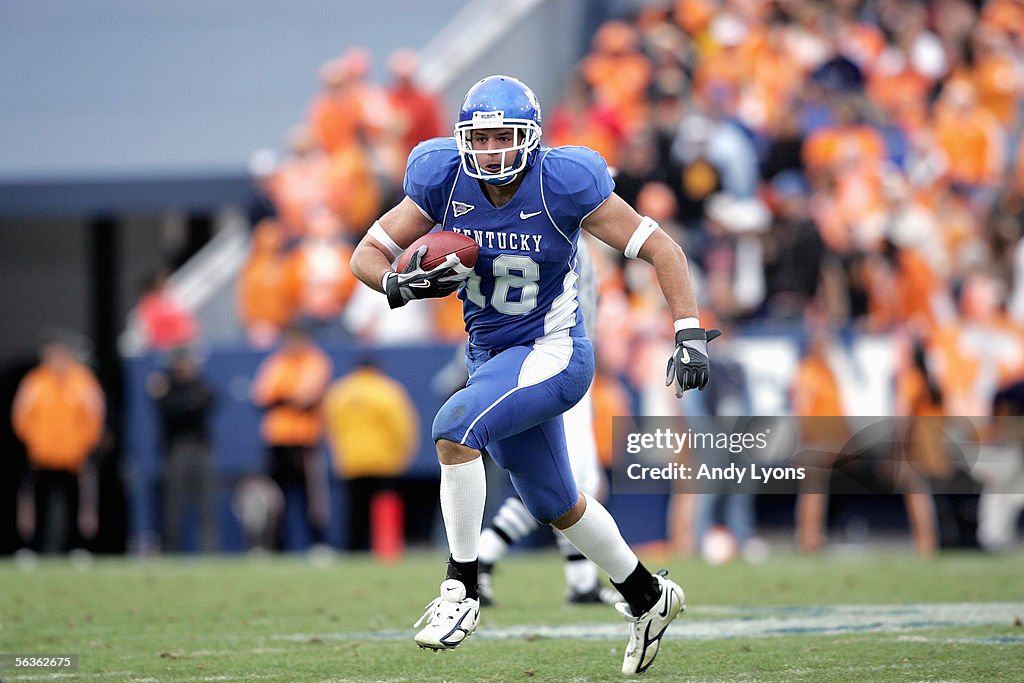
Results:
[499, 102]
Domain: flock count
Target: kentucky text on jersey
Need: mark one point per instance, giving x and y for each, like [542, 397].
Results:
[505, 241]
[523, 286]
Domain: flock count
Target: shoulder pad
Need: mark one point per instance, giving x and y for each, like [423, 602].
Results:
[432, 160]
[577, 174]
[431, 167]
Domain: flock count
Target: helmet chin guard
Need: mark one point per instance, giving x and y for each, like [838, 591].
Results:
[499, 102]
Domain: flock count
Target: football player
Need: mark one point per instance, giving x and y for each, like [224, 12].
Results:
[528, 355]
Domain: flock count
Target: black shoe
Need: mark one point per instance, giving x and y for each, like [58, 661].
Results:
[599, 595]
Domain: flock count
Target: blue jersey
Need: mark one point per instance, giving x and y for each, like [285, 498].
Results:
[523, 286]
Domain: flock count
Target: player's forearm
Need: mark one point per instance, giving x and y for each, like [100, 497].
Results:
[368, 264]
[673, 272]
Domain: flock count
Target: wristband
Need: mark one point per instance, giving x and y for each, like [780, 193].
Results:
[686, 323]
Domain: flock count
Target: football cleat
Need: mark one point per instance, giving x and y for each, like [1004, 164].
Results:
[598, 595]
[451, 618]
[646, 630]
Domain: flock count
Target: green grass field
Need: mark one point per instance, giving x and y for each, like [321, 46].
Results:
[872, 616]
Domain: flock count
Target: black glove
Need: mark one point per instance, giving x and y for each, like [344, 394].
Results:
[416, 283]
[688, 368]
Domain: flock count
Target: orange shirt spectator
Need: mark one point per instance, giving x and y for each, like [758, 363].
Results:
[961, 235]
[290, 385]
[840, 145]
[352, 190]
[1004, 15]
[918, 395]
[997, 79]
[335, 119]
[264, 305]
[610, 400]
[970, 136]
[980, 351]
[862, 42]
[694, 16]
[618, 73]
[902, 93]
[417, 113]
[349, 106]
[815, 397]
[995, 74]
[845, 160]
[902, 288]
[917, 391]
[299, 181]
[773, 79]
[815, 391]
[58, 411]
[580, 121]
[319, 281]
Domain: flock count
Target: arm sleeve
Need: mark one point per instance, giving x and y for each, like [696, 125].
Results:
[576, 181]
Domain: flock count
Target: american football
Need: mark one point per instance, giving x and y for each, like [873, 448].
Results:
[439, 246]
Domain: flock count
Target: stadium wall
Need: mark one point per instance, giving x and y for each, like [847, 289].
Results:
[768, 360]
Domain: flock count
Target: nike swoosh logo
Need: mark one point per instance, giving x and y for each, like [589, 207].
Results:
[665, 608]
[686, 356]
[523, 215]
[421, 284]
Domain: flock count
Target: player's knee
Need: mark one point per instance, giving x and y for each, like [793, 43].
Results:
[451, 453]
[572, 515]
[547, 508]
[451, 421]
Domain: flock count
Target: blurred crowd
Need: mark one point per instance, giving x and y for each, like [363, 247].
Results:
[860, 159]
[837, 164]
[343, 166]
[854, 166]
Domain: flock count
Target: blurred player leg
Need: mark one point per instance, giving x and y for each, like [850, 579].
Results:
[510, 524]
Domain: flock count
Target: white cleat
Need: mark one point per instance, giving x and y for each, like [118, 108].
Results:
[451, 618]
[645, 631]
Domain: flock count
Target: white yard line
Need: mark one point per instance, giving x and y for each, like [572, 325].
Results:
[719, 623]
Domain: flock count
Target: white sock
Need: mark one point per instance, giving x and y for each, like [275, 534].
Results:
[511, 524]
[463, 493]
[597, 536]
[580, 573]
